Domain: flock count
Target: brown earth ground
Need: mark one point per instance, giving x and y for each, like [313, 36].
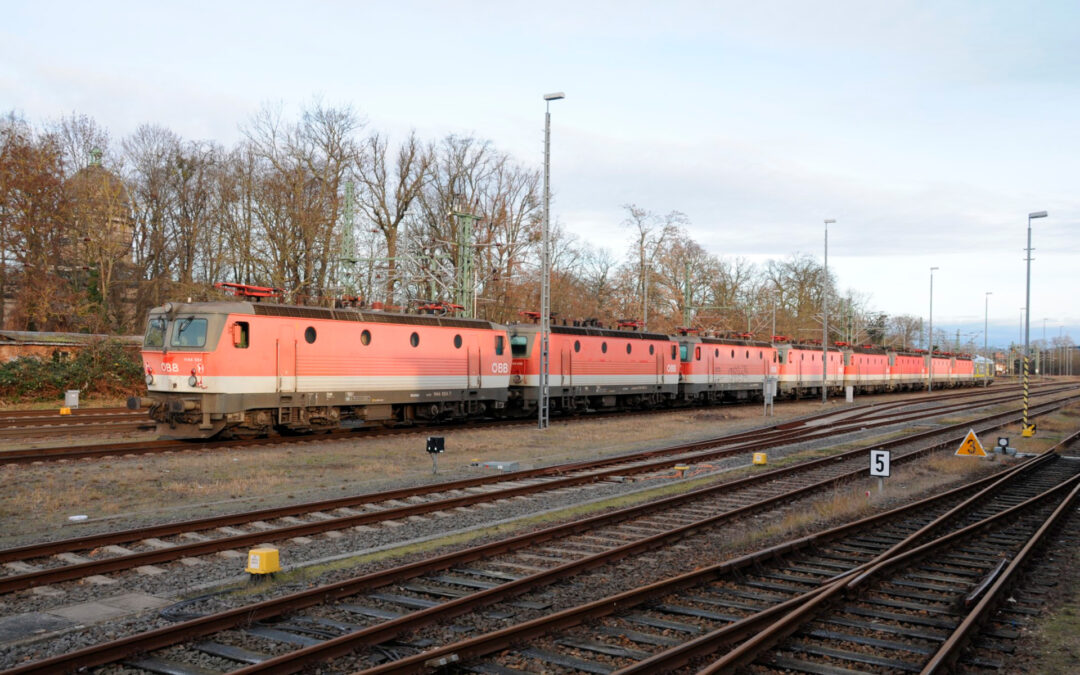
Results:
[127, 491]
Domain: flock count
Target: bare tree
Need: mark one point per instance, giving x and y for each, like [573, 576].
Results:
[388, 188]
[904, 330]
[304, 166]
[149, 162]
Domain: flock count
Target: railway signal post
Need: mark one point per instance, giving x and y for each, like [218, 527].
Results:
[435, 446]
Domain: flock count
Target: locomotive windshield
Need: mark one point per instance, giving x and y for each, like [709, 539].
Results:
[189, 332]
[155, 332]
[519, 346]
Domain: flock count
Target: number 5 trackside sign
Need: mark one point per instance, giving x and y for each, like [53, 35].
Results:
[879, 462]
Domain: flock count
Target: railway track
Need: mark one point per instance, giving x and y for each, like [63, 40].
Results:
[93, 555]
[19, 424]
[898, 592]
[106, 450]
[377, 607]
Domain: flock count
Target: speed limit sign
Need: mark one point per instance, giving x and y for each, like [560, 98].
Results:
[879, 462]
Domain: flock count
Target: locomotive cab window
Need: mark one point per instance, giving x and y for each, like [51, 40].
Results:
[189, 332]
[697, 353]
[499, 345]
[519, 346]
[155, 332]
[683, 352]
[240, 334]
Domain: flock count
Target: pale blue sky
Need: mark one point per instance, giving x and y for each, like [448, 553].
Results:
[928, 130]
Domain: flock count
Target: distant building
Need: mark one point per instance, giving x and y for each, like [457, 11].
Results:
[48, 346]
[102, 223]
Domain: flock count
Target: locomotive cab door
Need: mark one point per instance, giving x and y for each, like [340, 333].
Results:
[566, 368]
[474, 367]
[286, 359]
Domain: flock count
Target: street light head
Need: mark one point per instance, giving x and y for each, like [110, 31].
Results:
[829, 221]
[934, 268]
[554, 96]
[1037, 214]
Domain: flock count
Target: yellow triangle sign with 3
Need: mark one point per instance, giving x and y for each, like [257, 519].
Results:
[971, 446]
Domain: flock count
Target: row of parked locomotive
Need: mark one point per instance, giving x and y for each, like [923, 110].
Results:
[244, 368]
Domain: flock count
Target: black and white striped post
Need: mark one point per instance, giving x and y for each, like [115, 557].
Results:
[1026, 429]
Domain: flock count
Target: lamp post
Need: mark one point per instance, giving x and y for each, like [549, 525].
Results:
[1025, 428]
[542, 399]
[825, 320]
[930, 337]
[986, 323]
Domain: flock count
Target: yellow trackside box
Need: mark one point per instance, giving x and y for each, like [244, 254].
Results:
[760, 458]
[263, 561]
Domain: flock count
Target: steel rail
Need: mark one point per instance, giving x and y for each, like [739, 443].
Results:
[754, 625]
[584, 475]
[950, 651]
[163, 637]
[765, 639]
[30, 455]
[775, 435]
[780, 432]
[485, 645]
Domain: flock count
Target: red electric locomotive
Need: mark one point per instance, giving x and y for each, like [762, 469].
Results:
[866, 368]
[593, 368]
[800, 370]
[713, 369]
[246, 368]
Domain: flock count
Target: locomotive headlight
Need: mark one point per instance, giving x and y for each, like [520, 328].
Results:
[149, 379]
[192, 381]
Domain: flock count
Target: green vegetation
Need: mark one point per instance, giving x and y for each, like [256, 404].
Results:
[103, 368]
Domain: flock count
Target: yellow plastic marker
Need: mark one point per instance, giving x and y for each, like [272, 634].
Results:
[971, 447]
[262, 561]
[761, 458]
[65, 410]
[682, 469]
